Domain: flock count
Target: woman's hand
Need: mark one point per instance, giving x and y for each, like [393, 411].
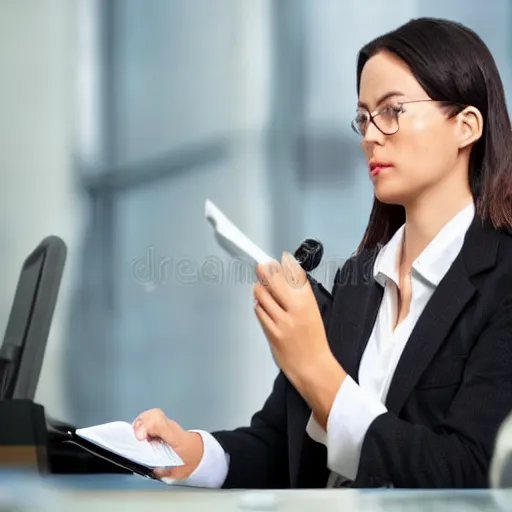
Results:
[153, 424]
[288, 312]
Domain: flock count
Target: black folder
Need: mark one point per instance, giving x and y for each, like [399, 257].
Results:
[72, 438]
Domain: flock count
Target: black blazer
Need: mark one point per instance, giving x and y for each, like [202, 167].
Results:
[451, 390]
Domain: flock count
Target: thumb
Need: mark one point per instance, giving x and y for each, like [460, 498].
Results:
[151, 426]
[294, 273]
[139, 430]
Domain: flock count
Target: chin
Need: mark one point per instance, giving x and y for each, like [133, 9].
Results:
[391, 195]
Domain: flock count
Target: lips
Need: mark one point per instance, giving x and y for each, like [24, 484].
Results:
[376, 167]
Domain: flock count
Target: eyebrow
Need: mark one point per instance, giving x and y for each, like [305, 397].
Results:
[386, 96]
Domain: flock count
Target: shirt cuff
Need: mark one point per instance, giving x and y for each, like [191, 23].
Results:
[352, 413]
[213, 468]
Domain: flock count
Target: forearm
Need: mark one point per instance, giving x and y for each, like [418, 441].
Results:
[319, 384]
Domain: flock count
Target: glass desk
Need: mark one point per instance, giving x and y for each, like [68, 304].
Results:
[133, 493]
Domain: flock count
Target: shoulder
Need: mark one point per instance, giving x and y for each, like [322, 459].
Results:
[487, 250]
[501, 249]
[489, 266]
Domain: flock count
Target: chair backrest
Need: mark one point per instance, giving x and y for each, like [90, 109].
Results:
[26, 334]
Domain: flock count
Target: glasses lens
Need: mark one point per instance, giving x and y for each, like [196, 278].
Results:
[360, 123]
[387, 121]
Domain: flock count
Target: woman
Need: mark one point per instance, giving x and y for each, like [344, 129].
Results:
[407, 381]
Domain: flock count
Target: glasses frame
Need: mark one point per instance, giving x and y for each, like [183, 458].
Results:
[398, 112]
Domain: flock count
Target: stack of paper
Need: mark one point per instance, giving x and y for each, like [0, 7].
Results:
[118, 437]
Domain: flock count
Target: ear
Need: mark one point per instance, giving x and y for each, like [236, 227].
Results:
[470, 125]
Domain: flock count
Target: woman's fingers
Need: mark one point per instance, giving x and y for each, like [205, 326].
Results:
[272, 277]
[265, 300]
[153, 424]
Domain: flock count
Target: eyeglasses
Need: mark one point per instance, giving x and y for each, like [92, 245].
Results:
[386, 119]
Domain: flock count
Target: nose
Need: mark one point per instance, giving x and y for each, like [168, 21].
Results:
[373, 135]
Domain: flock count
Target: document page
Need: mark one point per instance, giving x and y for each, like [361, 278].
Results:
[231, 239]
[118, 437]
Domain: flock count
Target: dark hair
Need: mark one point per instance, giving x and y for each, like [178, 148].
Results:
[452, 64]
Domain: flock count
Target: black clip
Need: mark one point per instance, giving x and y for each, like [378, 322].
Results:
[309, 255]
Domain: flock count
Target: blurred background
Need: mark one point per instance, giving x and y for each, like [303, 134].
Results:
[118, 118]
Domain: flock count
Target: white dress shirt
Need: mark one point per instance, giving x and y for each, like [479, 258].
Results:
[356, 406]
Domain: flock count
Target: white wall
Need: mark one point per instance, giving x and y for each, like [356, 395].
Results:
[37, 195]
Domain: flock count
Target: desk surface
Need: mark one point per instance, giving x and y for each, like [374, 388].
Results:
[294, 501]
[127, 493]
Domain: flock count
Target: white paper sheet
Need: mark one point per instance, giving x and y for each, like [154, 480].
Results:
[231, 239]
[118, 437]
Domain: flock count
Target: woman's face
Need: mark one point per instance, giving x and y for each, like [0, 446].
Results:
[423, 152]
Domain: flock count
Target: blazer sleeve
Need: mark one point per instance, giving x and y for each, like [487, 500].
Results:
[458, 452]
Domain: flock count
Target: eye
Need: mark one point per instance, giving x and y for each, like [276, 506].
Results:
[392, 111]
[361, 117]
[360, 122]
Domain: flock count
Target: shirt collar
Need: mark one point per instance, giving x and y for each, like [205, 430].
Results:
[435, 260]
[386, 263]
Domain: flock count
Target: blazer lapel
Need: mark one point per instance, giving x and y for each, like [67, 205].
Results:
[449, 299]
[353, 324]
[357, 301]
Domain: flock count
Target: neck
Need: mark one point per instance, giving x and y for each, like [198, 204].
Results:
[426, 217]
